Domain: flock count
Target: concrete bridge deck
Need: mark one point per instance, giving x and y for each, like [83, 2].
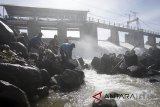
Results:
[63, 20]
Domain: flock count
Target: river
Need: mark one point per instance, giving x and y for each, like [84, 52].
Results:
[145, 94]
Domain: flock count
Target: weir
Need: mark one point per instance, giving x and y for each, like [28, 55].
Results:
[88, 33]
[135, 38]
[34, 19]
[152, 40]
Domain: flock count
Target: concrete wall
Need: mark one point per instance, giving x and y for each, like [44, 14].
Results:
[114, 38]
[62, 32]
[152, 40]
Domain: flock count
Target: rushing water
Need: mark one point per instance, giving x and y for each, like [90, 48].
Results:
[145, 93]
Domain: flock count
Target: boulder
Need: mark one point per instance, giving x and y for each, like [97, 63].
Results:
[153, 80]
[34, 56]
[70, 79]
[43, 91]
[12, 96]
[155, 54]
[49, 61]
[137, 71]
[19, 48]
[25, 77]
[130, 58]
[6, 34]
[106, 101]
[152, 72]
[105, 64]
[4, 47]
[146, 60]
[122, 68]
[70, 64]
[96, 63]
[52, 66]
[45, 77]
[22, 40]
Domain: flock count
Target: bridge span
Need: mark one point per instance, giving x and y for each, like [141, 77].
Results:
[36, 19]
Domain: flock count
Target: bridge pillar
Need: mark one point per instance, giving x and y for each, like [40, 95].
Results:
[88, 33]
[152, 40]
[33, 28]
[62, 32]
[135, 38]
[114, 38]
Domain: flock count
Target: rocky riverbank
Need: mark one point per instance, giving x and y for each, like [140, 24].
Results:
[27, 77]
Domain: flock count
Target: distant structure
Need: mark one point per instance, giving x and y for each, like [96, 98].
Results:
[36, 19]
[135, 19]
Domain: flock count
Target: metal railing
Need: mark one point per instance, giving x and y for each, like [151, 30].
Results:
[104, 22]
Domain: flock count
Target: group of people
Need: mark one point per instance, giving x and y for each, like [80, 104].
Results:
[65, 48]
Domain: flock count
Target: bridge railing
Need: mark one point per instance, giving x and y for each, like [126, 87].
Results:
[109, 23]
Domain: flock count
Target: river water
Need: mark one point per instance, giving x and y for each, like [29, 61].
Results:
[145, 94]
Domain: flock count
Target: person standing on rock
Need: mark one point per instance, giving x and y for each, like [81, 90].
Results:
[66, 51]
[53, 45]
[36, 42]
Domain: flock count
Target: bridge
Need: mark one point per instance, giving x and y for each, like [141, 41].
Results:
[36, 19]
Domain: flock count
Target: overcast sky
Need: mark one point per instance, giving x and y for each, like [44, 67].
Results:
[111, 10]
[114, 10]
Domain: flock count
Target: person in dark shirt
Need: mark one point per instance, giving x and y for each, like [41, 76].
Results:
[66, 50]
[35, 42]
[53, 45]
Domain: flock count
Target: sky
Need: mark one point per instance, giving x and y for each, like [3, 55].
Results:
[116, 11]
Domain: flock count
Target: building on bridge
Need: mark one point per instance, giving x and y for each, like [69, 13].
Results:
[35, 19]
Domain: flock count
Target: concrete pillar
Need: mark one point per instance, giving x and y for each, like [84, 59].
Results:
[88, 33]
[152, 40]
[33, 28]
[128, 38]
[135, 38]
[114, 38]
[62, 32]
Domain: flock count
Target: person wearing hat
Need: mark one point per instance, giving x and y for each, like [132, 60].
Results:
[66, 50]
[36, 42]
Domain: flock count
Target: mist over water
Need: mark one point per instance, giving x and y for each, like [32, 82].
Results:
[147, 93]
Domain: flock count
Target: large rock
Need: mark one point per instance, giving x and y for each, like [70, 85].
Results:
[6, 34]
[70, 64]
[105, 64]
[70, 79]
[153, 80]
[137, 71]
[26, 78]
[96, 63]
[45, 77]
[146, 59]
[105, 101]
[4, 47]
[12, 96]
[130, 58]
[22, 40]
[19, 48]
[49, 61]
[53, 67]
